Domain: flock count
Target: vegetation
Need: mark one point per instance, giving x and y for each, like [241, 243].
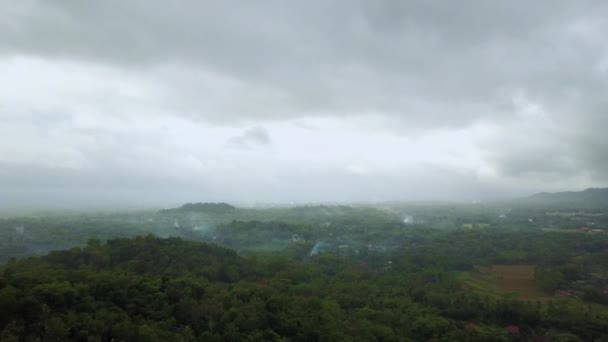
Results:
[213, 208]
[316, 273]
[593, 197]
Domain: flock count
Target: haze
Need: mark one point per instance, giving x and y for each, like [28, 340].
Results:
[106, 103]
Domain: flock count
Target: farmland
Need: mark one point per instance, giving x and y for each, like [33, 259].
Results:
[500, 280]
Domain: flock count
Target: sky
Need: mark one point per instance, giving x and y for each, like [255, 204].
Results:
[154, 103]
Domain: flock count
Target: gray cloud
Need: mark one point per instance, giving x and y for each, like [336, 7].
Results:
[399, 58]
[121, 88]
[251, 138]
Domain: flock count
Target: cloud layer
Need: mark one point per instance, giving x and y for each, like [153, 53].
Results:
[320, 100]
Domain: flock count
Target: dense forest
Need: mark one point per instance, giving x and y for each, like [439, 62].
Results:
[394, 272]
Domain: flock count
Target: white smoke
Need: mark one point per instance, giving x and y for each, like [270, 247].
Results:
[408, 219]
[316, 248]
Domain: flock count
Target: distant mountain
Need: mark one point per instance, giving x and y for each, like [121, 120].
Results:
[592, 196]
[209, 208]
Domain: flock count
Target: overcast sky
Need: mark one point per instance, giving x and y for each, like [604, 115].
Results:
[159, 102]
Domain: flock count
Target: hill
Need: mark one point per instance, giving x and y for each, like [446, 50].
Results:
[208, 208]
[592, 196]
[153, 289]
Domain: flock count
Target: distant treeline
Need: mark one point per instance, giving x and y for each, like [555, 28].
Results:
[211, 208]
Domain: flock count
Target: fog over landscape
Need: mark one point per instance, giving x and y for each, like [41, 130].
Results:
[157, 103]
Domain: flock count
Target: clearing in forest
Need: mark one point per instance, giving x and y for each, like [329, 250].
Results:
[499, 280]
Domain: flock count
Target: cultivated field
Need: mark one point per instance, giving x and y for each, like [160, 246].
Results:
[499, 280]
[518, 279]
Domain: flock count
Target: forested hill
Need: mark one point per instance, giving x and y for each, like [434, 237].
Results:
[592, 196]
[153, 289]
[209, 208]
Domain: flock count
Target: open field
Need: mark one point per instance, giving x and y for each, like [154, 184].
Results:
[518, 279]
[563, 213]
[574, 213]
[499, 280]
[476, 225]
[560, 230]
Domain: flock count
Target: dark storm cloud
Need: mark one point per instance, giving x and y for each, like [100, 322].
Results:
[434, 63]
